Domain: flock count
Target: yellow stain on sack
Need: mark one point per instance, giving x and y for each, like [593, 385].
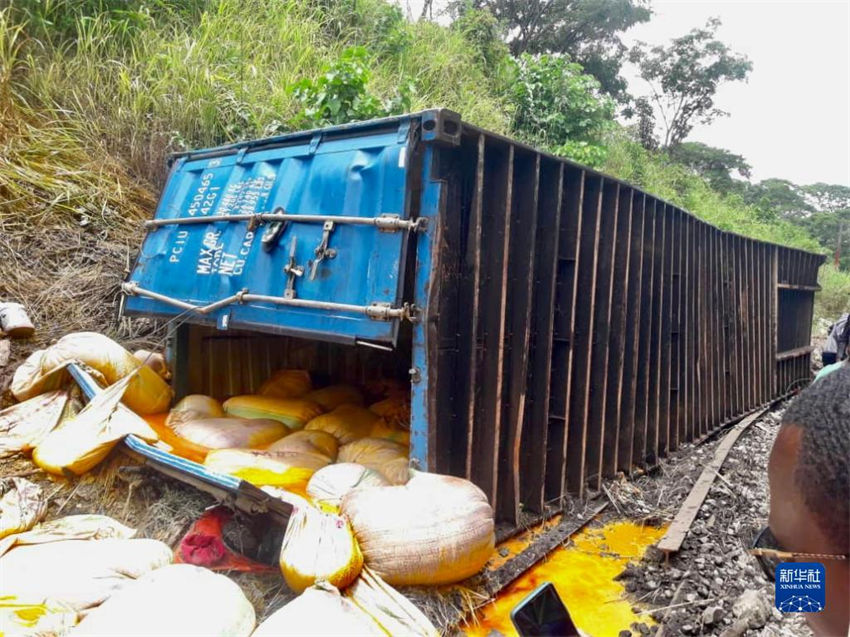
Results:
[26, 615]
[583, 573]
[294, 480]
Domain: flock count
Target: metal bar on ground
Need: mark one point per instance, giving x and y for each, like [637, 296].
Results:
[678, 529]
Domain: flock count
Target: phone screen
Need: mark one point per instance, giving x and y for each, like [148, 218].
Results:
[543, 614]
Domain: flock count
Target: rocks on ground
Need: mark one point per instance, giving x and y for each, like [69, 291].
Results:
[712, 586]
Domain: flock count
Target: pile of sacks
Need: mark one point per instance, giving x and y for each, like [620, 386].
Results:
[288, 431]
[90, 575]
[345, 469]
[362, 521]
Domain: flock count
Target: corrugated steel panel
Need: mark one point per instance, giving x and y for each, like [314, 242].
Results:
[569, 325]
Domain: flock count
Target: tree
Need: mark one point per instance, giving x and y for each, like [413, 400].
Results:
[718, 166]
[684, 77]
[559, 107]
[827, 197]
[831, 224]
[832, 230]
[645, 129]
[779, 196]
[588, 31]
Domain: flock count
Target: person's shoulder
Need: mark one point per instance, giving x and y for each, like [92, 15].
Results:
[827, 370]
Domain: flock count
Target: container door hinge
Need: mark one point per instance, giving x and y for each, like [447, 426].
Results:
[314, 143]
[403, 131]
[386, 312]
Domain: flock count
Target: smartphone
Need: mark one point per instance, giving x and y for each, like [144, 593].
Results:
[543, 614]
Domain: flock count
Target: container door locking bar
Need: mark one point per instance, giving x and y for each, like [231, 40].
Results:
[384, 222]
[375, 311]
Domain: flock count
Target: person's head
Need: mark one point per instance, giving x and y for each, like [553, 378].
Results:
[809, 475]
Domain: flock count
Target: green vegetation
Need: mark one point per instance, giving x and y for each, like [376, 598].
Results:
[94, 94]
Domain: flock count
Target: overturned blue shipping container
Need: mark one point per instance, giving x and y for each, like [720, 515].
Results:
[557, 325]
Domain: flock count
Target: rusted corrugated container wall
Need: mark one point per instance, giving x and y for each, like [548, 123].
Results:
[584, 327]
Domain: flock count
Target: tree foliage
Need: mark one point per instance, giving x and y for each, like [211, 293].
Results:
[719, 166]
[780, 196]
[558, 106]
[827, 197]
[588, 31]
[684, 76]
[832, 230]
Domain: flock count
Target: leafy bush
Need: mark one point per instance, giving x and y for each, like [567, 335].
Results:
[339, 94]
[834, 298]
[560, 108]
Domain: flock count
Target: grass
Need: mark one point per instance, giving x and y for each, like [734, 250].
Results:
[90, 111]
[834, 298]
[675, 183]
[228, 76]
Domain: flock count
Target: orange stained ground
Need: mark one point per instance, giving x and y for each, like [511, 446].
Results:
[583, 574]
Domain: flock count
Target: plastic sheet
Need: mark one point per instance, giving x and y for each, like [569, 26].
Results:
[147, 392]
[81, 442]
[25, 425]
[22, 505]
[204, 546]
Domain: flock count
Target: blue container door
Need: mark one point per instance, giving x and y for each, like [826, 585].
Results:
[337, 269]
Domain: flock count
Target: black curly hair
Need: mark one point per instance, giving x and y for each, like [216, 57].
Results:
[822, 474]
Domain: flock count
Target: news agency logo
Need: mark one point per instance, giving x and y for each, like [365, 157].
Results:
[800, 587]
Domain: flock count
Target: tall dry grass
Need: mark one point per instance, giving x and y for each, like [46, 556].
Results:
[148, 88]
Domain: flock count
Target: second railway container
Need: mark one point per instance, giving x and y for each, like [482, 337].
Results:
[557, 325]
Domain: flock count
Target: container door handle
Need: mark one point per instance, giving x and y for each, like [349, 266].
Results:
[322, 250]
[274, 232]
[292, 270]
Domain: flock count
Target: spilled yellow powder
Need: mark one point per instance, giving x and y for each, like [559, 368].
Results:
[583, 574]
